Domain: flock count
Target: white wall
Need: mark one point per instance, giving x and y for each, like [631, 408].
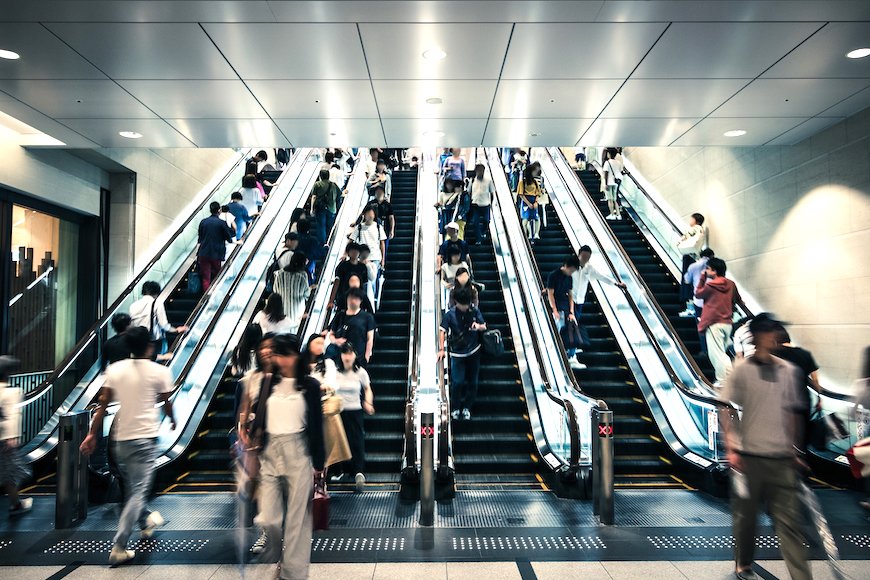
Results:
[793, 225]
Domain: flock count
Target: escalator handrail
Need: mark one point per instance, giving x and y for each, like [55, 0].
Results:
[570, 411]
[410, 444]
[675, 379]
[94, 332]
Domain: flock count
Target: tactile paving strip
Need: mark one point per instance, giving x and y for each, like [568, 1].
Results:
[706, 542]
[5, 544]
[525, 543]
[860, 540]
[358, 544]
[145, 546]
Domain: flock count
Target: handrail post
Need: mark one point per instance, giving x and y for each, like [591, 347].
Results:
[427, 469]
[603, 479]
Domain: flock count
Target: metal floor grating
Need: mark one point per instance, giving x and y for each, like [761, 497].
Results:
[151, 546]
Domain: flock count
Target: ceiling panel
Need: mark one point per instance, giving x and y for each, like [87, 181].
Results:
[789, 97]
[723, 50]
[474, 51]
[586, 49]
[291, 51]
[43, 56]
[333, 132]
[531, 132]
[549, 99]
[824, 55]
[15, 108]
[137, 10]
[219, 132]
[804, 130]
[671, 98]
[849, 106]
[147, 51]
[634, 132]
[155, 132]
[76, 99]
[731, 10]
[434, 132]
[403, 99]
[316, 99]
[758, 131]
[197, 99]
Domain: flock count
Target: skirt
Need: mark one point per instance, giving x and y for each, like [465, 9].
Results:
[13, 469]
[528, 212]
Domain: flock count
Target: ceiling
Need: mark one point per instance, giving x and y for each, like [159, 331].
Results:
[335, 73]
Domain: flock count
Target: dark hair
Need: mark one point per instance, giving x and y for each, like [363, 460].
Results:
[324, 175]
[8, 365]
[351, 246]
[261, 155]
[214, 207]
[329, 157]
[356, 293]
[462, 296]
[698, 218]
[320, 363]
[121, 321]
[707, 253]
[235, 195]
[348, 348]
[138, 340]
[370, 207]
[482, 173]
[297, 214]
[225, 208]
[584, 248]
[242, 353]
[571, 261]
[363, 248]
[528, 177]
[274, 308]
[291, 236]
[764, 322]
[414, 158]
[288, 345]
[150, 288]
[297, 262]
[782, 335]
[353, 275]
[865, 366]
[453, 250]
[249, 180]
[717, 265]
[303, 226]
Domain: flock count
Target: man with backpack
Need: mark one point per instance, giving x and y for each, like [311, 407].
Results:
[460, 329]
[324, 196]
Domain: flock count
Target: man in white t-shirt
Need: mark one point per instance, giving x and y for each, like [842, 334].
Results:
[370, 232]
[612, 176]
[139, 385]
[580, 286]
[482, 190]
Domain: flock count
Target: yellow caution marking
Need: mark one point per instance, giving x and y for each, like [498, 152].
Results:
[656, 439]
[44, 477]
[182, 476]
[534, 459]
[645, 418]
[665, 460]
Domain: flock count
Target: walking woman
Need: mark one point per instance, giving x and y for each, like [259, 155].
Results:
[272, 318]
[323, 369]
[13, 470]
[287, 427]
[354, 387]
[291, 283]
[528, 192]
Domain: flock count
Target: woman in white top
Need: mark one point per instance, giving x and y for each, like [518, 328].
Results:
[13, 470]
[252, 198]
[287, 430]
[272, 318]
[353, 385]
[452, 266]
[291, 283]
[324, 371]
[690, 246]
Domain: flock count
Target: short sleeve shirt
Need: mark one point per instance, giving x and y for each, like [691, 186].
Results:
[385, 210]
[355, 329]
[561, 284]
[346, 269]
[137, 385]
[459, 243]
[461, 340]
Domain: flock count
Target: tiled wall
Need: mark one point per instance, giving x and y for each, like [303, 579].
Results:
[793, 225]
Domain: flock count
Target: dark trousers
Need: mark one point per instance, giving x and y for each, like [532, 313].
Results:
[686, 290]
[480, 216]
[325, 220]
[354, 428]
[208, 268]
[584, 334]
[464, 373]
[698, 311]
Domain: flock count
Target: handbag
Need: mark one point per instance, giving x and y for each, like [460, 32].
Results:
[570, 334]
[320, 509]
[859, 458]
[194, 281]
[493, 345]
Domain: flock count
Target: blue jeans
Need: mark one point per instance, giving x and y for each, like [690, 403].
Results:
[325, 220]
[241, 226]
[464, 374]
[480, 216]
[136, 460]
[584, 334]
[560, 324]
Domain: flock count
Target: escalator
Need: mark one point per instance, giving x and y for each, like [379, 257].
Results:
[656, 275]
[388, 368]
[496, 446]
[640, 453]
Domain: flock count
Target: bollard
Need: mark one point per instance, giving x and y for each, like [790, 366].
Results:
[593, 473]
[605, 466]
[427, 469]
[71, 501]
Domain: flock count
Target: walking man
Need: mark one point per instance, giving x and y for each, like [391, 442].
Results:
[214, 234]
[139, 385]
[460, 328]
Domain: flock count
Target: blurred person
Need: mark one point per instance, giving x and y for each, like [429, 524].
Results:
[580, 279]
[291, 283]
[719, 295]
[139, 385]
[695, 308]
[252, 199]
[862, 399]
[150, 314]
[324, 197]
[353, 385]
[453, 264]
[741, 339]
[371, 233]
[13, 469]
[460, 330]
[240, 214]
[801, 358]
[354, 326]
[560, 283]
[296, 216]
[116, 348]
[612, 177]
[309, 245]
[272, 318]
[225, 215]
[763, 449]
[460, 281]
[452, 240]
[287, 431]
[482, 190]
[350, 267]
[528, 192]
[285, 252]
[448, 205]
[380, 178]
[385, 216]
[453, 169]
[354, 281]
[214, 234]
[323, 370]
[519, 161]
[364, 254]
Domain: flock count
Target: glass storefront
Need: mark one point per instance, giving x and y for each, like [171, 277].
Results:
[43, 288]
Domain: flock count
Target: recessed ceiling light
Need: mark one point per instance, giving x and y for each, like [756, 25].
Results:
[735, 133]
[333, 134]
[434, 54]
[434, 100]
[534, 134]
[858, 53]
[9, 55]
[433, 134]
[130, 134]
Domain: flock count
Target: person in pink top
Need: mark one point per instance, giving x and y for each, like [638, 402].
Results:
[719, 295]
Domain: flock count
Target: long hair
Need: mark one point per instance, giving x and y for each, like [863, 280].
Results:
[528, 174]
[347, 347]
[297, 262]
[242, 353]
[275, 308]
[320, 363]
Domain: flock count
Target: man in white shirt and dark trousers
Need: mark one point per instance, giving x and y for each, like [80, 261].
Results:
[139, 385]
[581, 278]
[151, 315]
[482, 190]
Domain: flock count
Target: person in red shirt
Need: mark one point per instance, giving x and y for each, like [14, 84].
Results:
[719, 295]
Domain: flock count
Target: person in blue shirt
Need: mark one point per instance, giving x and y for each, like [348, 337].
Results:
[452, 240]
[240, 213]
[214, 233]
[460, 328]
[310, 246]
[559, 285]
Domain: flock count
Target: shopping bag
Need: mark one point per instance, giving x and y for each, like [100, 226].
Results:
[859, 458]
[321, 505]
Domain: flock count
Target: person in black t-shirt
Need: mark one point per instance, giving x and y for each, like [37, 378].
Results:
[802, 359]
[561, 301]
[385, 216]
[354, 326]
[116, 348]
[352, 265]
[354, 282]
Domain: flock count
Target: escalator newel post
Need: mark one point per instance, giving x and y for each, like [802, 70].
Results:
[427, 469]
[602, 465]
[71, 501]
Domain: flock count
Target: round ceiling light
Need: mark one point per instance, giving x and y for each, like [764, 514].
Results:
[433, 134]
[534, 134]
[735, 133]
[130, 134]
[9, 55]
[858, 53]
[434, 100]
[434, 54]
[333, 134]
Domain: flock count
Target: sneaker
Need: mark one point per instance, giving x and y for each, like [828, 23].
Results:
[619, 217]
[455, 415]
[25, 504]
[603, 199]
[611, 217]
[577, 365]
[746, 575]
[466, 414]
[360, 482]
[119, 555]
[152, 522]
[687, 313]
[260, 545]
